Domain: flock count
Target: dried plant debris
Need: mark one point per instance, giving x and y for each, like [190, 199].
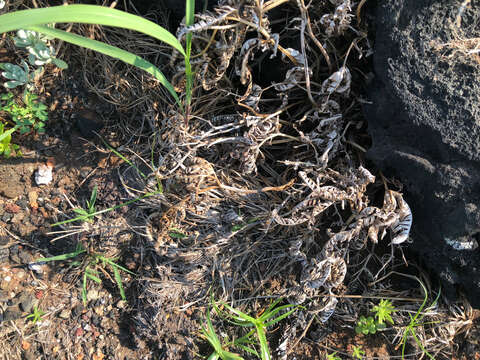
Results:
[264, 187]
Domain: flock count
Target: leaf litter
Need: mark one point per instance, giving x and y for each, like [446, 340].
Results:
[266, 193]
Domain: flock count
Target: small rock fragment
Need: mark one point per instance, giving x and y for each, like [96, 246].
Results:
[12, 208]
[36, 268]
[27, 302]
[44, 175]
[92, 295]
[32, 199]
[11, 314]
[121, 304]
[65, 314]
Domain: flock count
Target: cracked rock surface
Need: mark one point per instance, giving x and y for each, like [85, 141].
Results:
[425, 125]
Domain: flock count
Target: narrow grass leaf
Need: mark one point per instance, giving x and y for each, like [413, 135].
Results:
[106, 210]
[61, 257]
[118, 280]
[109, 50]
[115, 265]
[84, 289]
[189, 19]
[123, 158]
[281, 317]
[86, 14]
[262, 339]
[94, 278]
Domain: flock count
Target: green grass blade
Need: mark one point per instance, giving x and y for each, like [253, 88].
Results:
[115, 265]
[61, 257]
[269, 313]
[93, 198]
[262, 339]
[240, 315]
[123, 158]
[118, 280]
[80, 211]
[106, 210]
[94, 278]
[84, 288]
[272, 305]
[109, 50]
[280, 318]
[86, 14]
[189, 19]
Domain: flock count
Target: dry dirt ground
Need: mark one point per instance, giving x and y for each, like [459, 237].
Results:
[231, 177]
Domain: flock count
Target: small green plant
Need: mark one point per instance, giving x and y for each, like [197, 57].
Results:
[35, 315]
[87, 214]
[19, 75]
[259, 324]
[357, 352]
[367, 325]
[333, 356]
[92, 263]
[219, 349]
[37, 20]
[40, 52]
[30, 117]
[6, 146]
[415, 321]
[383, 311]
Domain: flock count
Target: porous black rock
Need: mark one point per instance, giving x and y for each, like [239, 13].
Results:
[424, 120]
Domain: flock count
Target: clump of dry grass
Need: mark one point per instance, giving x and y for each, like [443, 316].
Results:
[265, 193]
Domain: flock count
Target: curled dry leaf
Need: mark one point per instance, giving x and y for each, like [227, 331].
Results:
[339, 82]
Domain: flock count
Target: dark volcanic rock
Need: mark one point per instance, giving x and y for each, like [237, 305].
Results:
[425, 126]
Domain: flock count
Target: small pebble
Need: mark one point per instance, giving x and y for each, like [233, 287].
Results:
[44, 175]
[92, 295]
[36, 268]
[121, 304]
[27, 302]
[65, 314]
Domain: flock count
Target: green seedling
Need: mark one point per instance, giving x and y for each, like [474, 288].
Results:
[260, 324]
[92, 263]
[416, 321]
[333, 356]
[38, 19]
[36, 315]
[383, 311]
[85, 217]
[6, 146]
[85, 214]
[40, 53]
[30, 117]
[219, 349]
[18, 75]
[176, 234]
[357, 352]
[367, 325]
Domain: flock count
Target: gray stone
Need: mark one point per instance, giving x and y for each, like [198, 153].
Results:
[11, 314]
[27, 301]
[425, 126]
